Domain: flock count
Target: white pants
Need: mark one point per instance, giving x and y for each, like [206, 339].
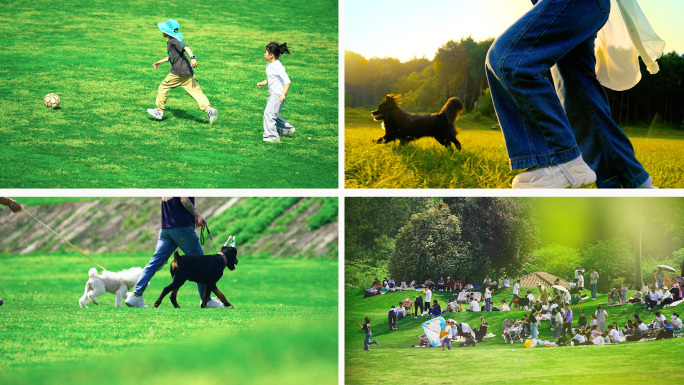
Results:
[274, 125]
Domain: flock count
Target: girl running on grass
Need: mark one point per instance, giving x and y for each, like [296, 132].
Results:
[278, 84]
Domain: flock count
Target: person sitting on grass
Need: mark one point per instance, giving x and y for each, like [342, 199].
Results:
[613, 334]
[628, 330]
[504, 306]
[413, 284]
[530, 298]
[392, 284]
[474, 305]
[464, 330]
[666, 299]
[482, 332]
[676, 292]
[636, 297]
[614, 297]
[659, 319]
[505, 283]
[449, 285]
[637, 331]
[666, 331]
[436, 309]
[401, 311]
[652, 298]
[676, 322]
[441, 286]
[597, 337]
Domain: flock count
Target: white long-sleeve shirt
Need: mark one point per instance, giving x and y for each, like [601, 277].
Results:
[276, 77]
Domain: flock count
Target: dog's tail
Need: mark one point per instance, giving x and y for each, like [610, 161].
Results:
[174, 263]
[92, 272]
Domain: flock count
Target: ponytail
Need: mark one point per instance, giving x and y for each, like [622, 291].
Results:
[277, 49]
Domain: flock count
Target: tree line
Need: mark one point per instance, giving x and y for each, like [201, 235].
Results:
[458, 69]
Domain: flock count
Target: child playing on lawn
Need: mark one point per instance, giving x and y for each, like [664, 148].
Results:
[367, 329]
[278, 84]
[181, 73]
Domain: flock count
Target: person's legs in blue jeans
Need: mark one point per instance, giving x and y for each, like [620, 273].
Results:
[536, 127]
[165, 246]
[188, 242]
[604, 146]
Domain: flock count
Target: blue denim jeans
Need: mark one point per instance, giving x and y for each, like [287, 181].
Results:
[546, 124]
[593, 290]
[367, 341]
[184, 238]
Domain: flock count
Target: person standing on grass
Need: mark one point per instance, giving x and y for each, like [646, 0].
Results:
[418, 304]
[660, 277]
[181, 73]
[179, 218]
[516, 292]
[488, 299]
[11, 203]
[392, 318]
[601, 318]
[567, 322]
[448, 329]
[367, 329]
[278, 84]
[594, 276]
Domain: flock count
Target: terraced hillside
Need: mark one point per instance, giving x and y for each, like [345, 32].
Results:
[264, 227]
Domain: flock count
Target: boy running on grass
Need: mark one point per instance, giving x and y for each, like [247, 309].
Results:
[181, 73]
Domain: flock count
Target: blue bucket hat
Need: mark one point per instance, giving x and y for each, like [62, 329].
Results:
[170, 27]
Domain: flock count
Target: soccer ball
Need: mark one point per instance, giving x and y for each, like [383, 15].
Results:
[51, 101]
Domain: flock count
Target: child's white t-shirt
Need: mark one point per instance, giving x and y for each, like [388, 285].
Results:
[276, 77]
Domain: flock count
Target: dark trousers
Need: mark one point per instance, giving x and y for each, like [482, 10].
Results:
[392, 317]
[567, 328]
[663, 334]
[417, 306]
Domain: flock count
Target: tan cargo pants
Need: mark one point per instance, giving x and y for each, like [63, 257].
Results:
[189, 84]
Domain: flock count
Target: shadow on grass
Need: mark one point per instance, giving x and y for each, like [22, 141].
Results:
[181, 114]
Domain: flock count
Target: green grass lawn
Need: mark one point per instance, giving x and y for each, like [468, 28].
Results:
[98, 56]
[482, 162]
[284, 324]
[493, 361]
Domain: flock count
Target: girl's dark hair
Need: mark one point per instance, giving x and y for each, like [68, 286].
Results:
[277, 49]
[367, 320]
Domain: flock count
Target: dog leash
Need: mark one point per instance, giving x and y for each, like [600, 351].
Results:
[211, 239]
[69, 243]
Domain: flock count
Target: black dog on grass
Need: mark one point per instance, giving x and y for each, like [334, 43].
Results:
[205, 269]
[399, 124]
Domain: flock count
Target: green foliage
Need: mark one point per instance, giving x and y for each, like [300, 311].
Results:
[556, 259]
[428, 246]
[612, 259]
[102, 137]
[362, 273]
[485, 105]
[47, 337]
[327, 213]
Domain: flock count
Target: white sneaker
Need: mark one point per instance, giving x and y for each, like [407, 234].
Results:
[135, 301]
[291, 130]
[213, 302]
[570, 174]
[212, 114]
[156, 113]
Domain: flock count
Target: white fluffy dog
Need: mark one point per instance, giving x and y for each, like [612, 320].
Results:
[115, 283]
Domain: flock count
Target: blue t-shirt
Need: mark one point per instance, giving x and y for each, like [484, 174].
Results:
[174, 214]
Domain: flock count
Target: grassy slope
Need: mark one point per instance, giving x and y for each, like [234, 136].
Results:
[285, 322]
[493, 361]
[482, 163]
[98, 56]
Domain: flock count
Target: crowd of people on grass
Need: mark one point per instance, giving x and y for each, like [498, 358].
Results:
[553, 304]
